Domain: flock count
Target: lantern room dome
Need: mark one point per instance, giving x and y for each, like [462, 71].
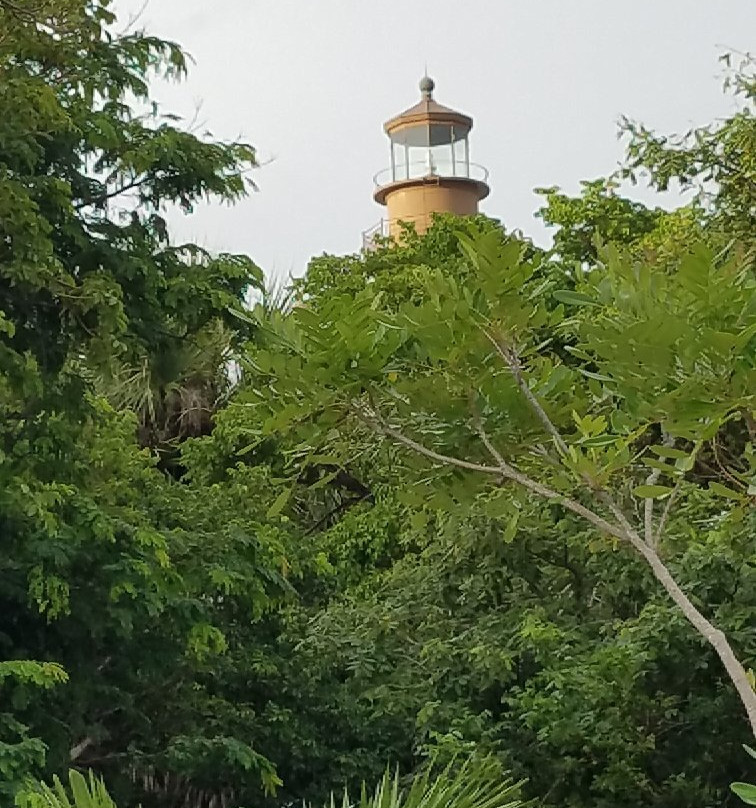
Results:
[428, 111]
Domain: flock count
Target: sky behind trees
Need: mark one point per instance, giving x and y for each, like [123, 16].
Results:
[310, 85]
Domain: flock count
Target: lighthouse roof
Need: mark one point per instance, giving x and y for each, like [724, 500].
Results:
[427, 111]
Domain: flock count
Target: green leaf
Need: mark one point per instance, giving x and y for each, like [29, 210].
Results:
[668, 451]
[511, 529]
[280, 502]
[597, 376]
[574, 298]
[598, 441]
[745, 791]
[324, 459]
[723, 491]
[652, 491]
[657, 464]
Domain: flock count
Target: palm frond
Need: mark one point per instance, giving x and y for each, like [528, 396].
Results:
[476, 783]
[84, 793]
[278, 296]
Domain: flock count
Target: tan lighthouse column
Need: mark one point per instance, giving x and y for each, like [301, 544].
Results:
[430, 169]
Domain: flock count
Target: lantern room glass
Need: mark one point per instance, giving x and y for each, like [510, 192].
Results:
[429, 150]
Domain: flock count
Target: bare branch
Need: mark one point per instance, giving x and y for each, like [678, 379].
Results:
[512, 361]
[110, 194]
[480, 429]
[624, 530]
[666, 513]
[77, 749]
[648, 505]
[734, 480]
[714, 636]
[504, 470]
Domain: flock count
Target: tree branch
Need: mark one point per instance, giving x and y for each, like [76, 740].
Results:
[503, 470]
[648, 505]
[666, 513]
[714, 636]
[76, 750]
[623, 530]
[110, 194]
[512, 361]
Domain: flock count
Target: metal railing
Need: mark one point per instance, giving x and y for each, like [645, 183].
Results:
[421, 170]
[372, 234]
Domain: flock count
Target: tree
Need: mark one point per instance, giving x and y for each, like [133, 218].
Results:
[714, 162]
[598, 213]
[576, 630]
[124, 583]
[470, 368]
[85, 179]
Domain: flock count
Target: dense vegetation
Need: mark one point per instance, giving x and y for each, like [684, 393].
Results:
[458, 496]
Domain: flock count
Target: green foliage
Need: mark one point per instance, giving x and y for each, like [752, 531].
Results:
[553, 651]
[131, 583]
[84, 179]
[69, 165]
[20, 752]
[746, 791]
[474, 784]
[550, 644]
[85, 793]
[144, 586]
[717, 162]
[337, 572]
[599, 213]
[393, 272]
[431, 363]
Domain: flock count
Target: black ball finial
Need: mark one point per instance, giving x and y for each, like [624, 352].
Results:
[427, 85]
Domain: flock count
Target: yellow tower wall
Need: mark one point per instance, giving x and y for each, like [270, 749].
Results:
[416, 202]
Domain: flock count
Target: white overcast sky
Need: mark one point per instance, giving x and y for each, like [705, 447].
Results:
[310, 82]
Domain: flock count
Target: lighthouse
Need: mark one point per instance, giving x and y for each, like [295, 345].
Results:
[430, 170]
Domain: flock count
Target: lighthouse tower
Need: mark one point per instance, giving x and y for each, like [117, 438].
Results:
[430, 169]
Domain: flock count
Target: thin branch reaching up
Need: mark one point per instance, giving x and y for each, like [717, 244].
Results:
[510, 357]
[512, 361]
[489, 445]
[666, 513]
[714, 636]
[110, 194]
[648, 505]
[487, 442]
[734, 480]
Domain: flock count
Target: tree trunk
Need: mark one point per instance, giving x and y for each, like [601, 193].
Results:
[714, 636]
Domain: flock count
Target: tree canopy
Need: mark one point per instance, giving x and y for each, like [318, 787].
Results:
[456, 504]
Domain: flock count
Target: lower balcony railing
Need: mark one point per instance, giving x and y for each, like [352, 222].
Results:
[421, 170]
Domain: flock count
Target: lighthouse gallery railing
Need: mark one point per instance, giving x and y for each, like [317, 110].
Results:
[421, 170]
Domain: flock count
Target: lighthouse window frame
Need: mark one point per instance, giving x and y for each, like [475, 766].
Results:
[399, 160]
[461, 156]
[430, 149]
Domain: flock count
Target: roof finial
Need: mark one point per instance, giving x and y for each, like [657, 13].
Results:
[427, 85]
